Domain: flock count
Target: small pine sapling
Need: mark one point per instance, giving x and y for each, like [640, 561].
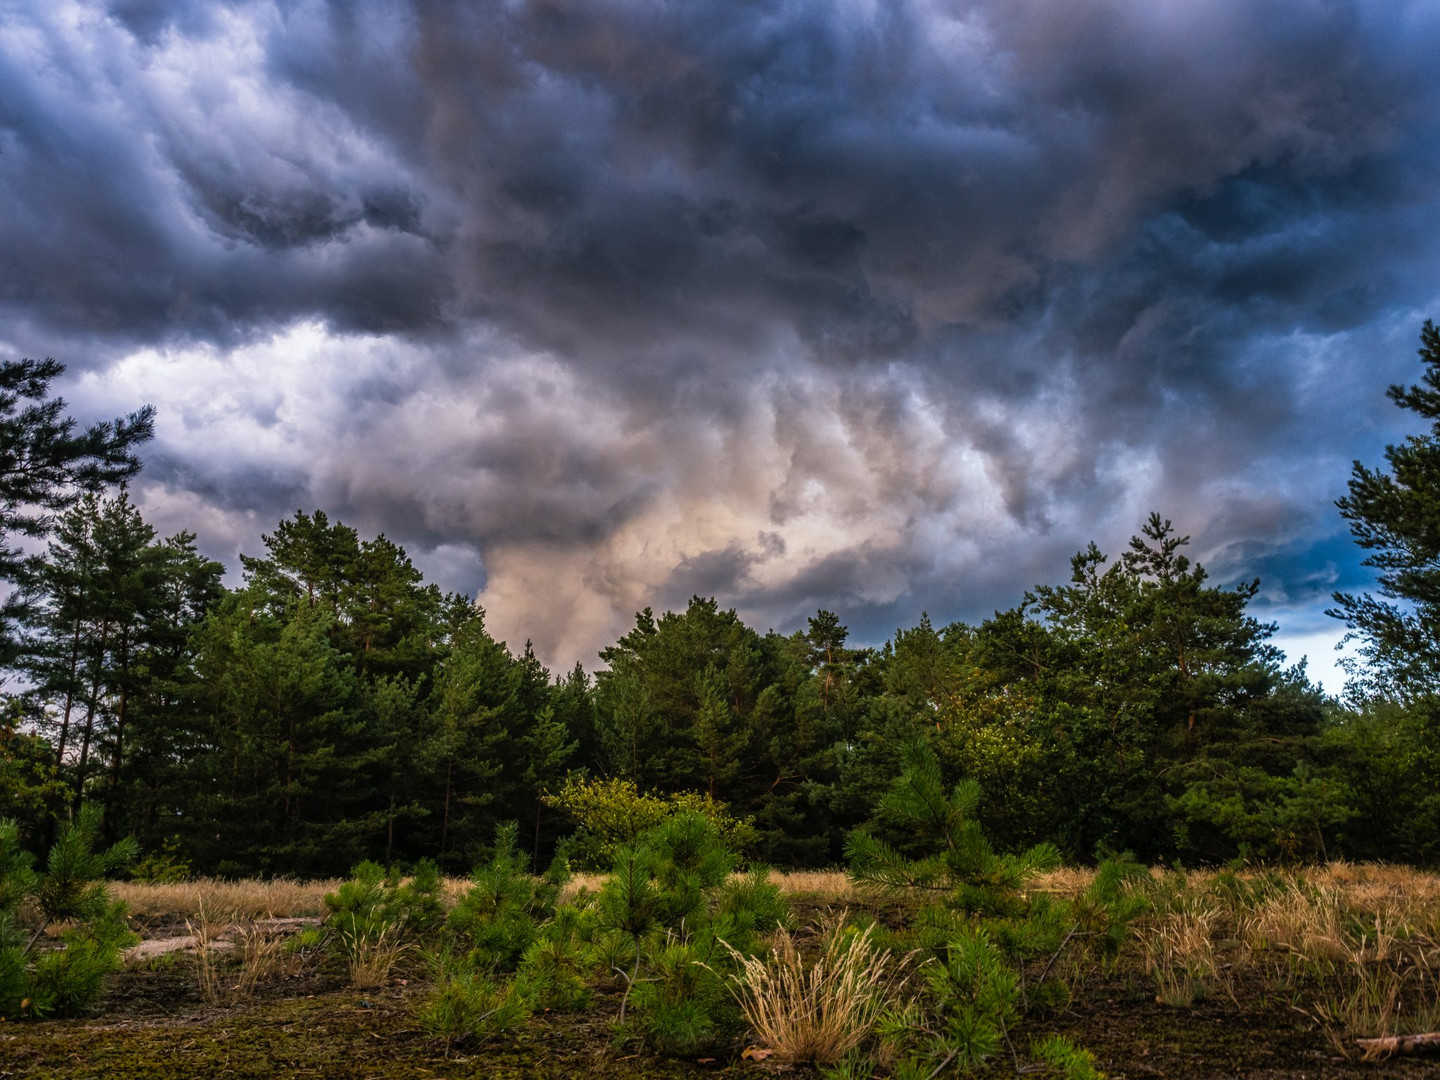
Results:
[628, 904]
[1070, 1061]
[70, 889]
[670, 899]
[691, 858]
[748, 908]
[493, 930]
[556, 970]
[682, 1002]
[985, 926]
[378, 916]
[497, 918]
[467, 1006]
[964, 866]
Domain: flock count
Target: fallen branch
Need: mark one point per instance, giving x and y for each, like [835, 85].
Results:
[1400, 1044]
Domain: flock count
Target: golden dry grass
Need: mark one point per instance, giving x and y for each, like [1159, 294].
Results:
[1314, 912]
[250, 899]
[1366, 935]
[830, 884]
[1179, 951]
[821, 1011]
[289, 898]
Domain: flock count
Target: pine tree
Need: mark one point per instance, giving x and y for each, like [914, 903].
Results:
[280, 769]
[498, 743]
[88, 601]
[1394, 513]
[45, 467]
[147, 789]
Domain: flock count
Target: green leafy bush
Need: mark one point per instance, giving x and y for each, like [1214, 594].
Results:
[611, 814]
[163, 867]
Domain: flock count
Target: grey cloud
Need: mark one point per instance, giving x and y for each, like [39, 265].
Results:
[931, 292]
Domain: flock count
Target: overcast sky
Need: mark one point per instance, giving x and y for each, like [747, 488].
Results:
[881, 307]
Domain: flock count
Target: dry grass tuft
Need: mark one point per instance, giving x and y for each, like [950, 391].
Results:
[234, 955]
[1364, 936]
[818, 1013]
[1306, 922]
[262, 958]
[371, 952]
[206, 929]
[1180, 955]
[833, 885]
[1063, 880]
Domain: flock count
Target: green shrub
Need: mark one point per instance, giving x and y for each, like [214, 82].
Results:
[690, 859]
[497, 918]
[467, 1006]
[975, 877]
[983, 926]
[1072, 1062]
[507, 922]
[611, 814]
[559, 966]
[375, 899]
[163, 867]
[555, 973]
[664, 908]
[70, 889]
[749, 907]
[378, 915]
[682, 1003]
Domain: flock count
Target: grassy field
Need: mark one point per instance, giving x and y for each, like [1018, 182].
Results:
[1270, 975]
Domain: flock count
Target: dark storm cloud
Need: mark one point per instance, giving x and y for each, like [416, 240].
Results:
[929, 293]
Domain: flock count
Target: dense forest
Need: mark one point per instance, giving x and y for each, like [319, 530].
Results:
[336, 707]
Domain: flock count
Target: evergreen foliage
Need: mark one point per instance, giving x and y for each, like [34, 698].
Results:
[495, 922]
[335, 708]
[974, 941]
[964, 863]
[1395, 515]
[69, 888]
[45, 466]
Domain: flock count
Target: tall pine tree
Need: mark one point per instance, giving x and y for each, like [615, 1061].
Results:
[1394, 513]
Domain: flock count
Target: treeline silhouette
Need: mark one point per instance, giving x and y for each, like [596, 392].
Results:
[335, 707]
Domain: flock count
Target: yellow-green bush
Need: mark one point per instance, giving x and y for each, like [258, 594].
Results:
[612, 813]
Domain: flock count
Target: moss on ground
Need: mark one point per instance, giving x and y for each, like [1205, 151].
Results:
[339, 1036]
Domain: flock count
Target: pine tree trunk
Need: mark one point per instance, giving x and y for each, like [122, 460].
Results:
[91, 706]
[70, 677]
[120, 710]
[390, 823]
[445, 816]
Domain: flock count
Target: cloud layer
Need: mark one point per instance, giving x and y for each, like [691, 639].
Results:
[872, 306]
